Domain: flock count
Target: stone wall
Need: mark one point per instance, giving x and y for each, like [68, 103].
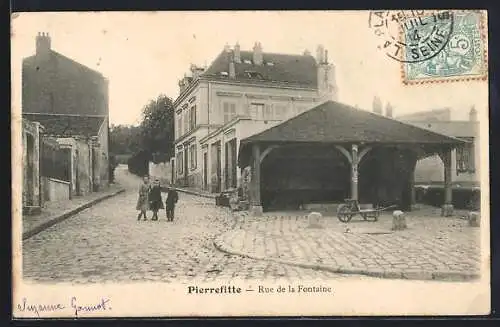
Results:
[31, 163]
[55, 189]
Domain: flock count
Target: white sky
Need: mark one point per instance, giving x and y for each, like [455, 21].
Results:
[144, 54]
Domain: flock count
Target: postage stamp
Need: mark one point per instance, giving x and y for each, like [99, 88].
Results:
[434, 46]
[464, 57]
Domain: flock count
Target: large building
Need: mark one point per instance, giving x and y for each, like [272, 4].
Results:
[465, 159]
[71, 101]
[240, 94]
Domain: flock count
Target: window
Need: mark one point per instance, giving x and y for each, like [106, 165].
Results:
[267, 113]
[192, 117]
[229, 111]
[186, 121]
[466, 157]
[180, 162]
[192, 156]
[280, 111]
[253, 75]
[256, 110]
[179, 126]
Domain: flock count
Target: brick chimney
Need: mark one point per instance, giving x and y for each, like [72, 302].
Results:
[377, 105]
[473, 114]
[237, 53]
[42, 43]
[257, 54]
[232, 70]
[320, 54]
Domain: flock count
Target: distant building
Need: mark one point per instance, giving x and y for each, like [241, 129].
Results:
[71, 101]
[240, 94]
[465, 159]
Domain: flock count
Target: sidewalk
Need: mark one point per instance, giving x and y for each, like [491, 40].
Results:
[54, 212]
[432, 247]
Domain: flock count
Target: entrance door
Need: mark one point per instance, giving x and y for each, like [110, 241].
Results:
[218, 162]
[205, 170]
[30, 171]
[186, 152]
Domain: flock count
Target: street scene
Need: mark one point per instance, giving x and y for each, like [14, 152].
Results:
[89, 249]
[249, 156]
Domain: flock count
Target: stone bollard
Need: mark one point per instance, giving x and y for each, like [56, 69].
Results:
[474, 219]
[315, 220]
[398, 220]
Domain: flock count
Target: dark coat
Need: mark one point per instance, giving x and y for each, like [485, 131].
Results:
[155, 200]
[172, 198]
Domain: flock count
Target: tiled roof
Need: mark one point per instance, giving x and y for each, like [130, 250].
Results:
[295, 70]
[337, 122]
[67, 125]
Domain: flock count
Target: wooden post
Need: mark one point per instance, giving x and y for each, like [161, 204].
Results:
[255, 203]
[354, 172]
[447, 209]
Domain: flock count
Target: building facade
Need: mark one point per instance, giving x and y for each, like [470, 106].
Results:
[241, 94]
[71, 101]
[465, 159]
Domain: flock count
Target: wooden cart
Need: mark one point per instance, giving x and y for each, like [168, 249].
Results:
[351, 207]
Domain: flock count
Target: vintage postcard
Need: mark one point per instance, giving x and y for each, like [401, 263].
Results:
[188, 164]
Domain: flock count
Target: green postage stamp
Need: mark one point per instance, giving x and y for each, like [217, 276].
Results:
[463, 57]
[434, 46]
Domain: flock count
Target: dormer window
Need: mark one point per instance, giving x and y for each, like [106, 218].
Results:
[246, 61]
[225, 74]
[254, 75]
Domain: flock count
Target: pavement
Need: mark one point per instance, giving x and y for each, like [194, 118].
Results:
[432, 248]
[106, 244]
[56, 211]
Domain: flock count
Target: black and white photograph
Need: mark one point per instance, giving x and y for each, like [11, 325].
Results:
[250, 163]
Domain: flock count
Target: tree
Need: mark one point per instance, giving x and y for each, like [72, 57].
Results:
[157, 129]
[124, 139]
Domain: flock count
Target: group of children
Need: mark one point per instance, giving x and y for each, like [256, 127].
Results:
[150, 199]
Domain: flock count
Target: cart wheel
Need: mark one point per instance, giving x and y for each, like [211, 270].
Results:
[344, 213]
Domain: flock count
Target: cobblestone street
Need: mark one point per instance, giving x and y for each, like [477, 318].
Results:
[106, 243]
[432, 247]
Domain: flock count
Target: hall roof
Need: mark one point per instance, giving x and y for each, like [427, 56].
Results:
[334, 122]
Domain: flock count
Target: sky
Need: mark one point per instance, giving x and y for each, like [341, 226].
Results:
[144, 54]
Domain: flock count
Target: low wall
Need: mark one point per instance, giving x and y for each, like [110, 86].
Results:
[55, 189]
[161, 171]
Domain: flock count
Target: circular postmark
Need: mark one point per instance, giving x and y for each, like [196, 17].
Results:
[412, 36]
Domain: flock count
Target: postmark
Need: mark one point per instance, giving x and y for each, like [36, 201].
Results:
[463, 58]
[412, 36]
[433, 46]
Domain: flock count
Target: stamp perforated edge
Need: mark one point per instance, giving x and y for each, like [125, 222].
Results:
[466, 78]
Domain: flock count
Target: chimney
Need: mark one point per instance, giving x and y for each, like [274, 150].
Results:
[42, 43]
[232, 71]
[473, 114]
[388, 110]
[326, 57]
[237, 54]
[257, 54]
[377, 105]
[320, 53]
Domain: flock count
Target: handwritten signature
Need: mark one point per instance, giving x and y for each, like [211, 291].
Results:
[73, 304]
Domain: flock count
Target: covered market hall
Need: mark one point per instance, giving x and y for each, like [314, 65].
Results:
[334, 152]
